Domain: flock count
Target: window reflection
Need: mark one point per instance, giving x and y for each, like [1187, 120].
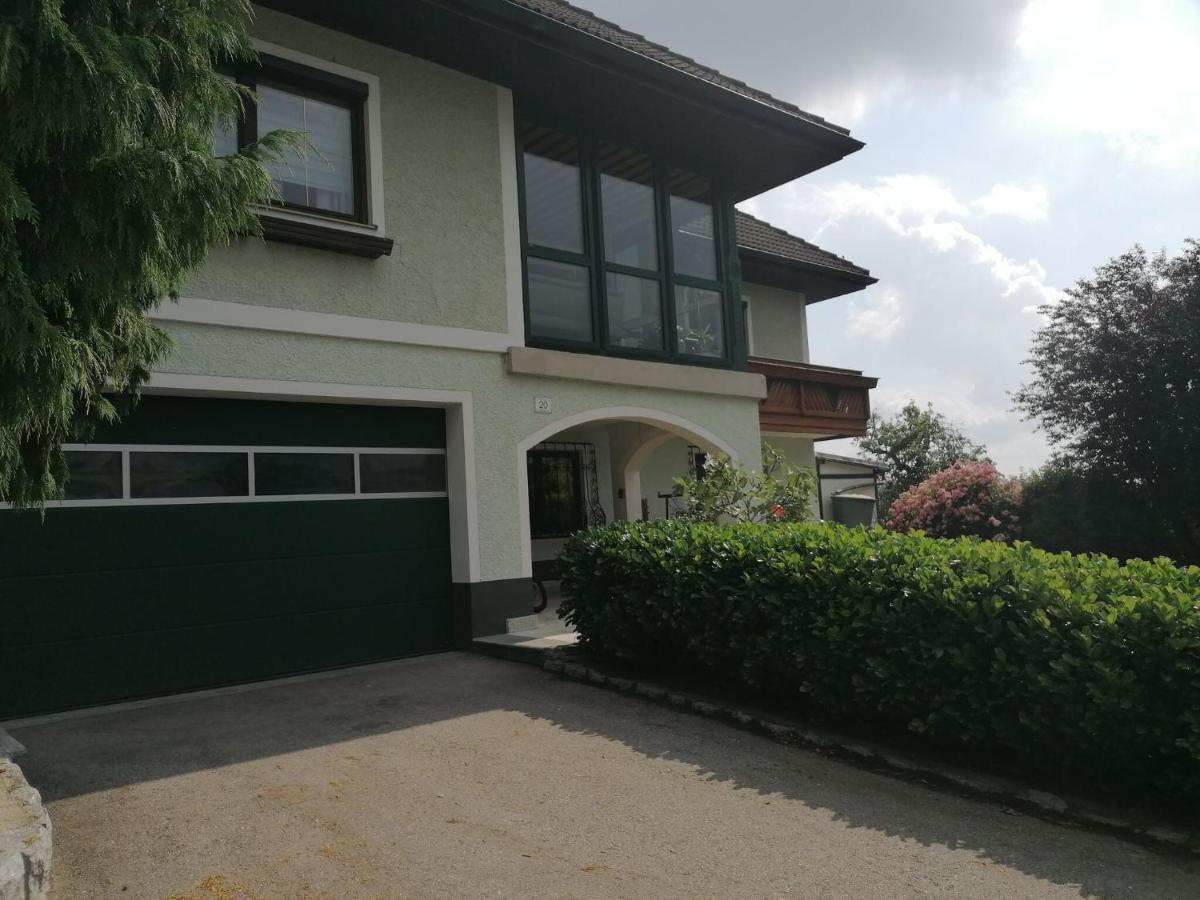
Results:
[692, 226]
[560, 301]
[323, 178]
[634, 312]
[553, 192]
[627, 197]
[699, 322]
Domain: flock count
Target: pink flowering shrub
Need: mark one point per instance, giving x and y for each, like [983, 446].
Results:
[967, 499]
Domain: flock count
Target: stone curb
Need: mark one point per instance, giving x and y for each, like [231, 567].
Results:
[988, 787]
[25, 837]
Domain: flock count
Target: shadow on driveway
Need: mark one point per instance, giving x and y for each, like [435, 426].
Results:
[550, 775]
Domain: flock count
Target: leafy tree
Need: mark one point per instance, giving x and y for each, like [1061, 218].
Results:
[915, 443]
[727, 491]
[109, 196]
[969, 499]
[1117, 387]
[1067, 508]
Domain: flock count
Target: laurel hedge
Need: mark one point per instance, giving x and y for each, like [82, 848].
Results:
[1074, 668]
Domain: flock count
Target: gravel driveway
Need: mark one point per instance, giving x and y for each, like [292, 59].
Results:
[461, 776]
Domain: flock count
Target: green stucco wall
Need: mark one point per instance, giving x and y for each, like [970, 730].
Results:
[778, 323]
[503, 404]
[441, 179]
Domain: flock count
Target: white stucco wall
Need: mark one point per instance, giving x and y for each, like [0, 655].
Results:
[778, 323]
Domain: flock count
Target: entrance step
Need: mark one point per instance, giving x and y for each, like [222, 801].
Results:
[528, 647]
[524, 624]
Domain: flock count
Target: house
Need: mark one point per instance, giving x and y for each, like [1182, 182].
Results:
[511, 297]
[848, 488]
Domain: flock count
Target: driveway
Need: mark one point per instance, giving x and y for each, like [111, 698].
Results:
[461, 776]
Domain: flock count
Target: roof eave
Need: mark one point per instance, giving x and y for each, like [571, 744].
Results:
[815, 281]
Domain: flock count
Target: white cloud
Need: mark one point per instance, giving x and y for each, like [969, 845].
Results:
[1121, 70]
[949, 323]
[1031, 204]
[926, 209]
[876, 317]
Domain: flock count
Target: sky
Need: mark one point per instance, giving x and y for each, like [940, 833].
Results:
[1012, 147]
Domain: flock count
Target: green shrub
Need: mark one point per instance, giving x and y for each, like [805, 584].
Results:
[1075, 668]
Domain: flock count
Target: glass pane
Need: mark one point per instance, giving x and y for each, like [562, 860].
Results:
[692, 226]
[560, 300]
[278, 474]
[634, 312]
[699, 322]
[94, 475]
[400, 473]
[627, 198]
[323, 178]
[188, 474]
[553, 192]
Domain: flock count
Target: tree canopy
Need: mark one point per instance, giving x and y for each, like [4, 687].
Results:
[915, 443]
[1116, 385]
[109, 196]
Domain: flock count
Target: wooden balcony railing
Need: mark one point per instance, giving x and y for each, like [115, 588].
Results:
[813, 400]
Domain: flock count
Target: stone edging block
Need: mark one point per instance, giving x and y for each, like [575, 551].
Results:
[988, 787]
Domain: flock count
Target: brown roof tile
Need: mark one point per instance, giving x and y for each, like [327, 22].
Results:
[763, 237]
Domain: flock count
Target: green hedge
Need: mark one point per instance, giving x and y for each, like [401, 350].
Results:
[1077, 668]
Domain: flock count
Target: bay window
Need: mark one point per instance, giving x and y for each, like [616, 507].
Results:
[622, 254]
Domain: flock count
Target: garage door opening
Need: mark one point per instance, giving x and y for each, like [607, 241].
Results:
[206, 542]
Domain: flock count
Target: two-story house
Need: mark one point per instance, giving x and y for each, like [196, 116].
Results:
[510, 297]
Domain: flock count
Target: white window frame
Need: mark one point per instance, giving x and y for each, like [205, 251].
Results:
[251, 496]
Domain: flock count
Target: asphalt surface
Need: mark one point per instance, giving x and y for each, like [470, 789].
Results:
[460, 776]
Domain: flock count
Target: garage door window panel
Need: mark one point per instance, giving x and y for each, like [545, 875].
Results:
[94, 475]
[179, 475]
[283, 474]
[400, 473]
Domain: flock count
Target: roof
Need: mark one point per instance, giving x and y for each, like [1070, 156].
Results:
[763, 237]
[851, 461]
[589, 23]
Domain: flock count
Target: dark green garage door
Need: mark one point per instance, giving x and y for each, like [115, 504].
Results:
[210, 542]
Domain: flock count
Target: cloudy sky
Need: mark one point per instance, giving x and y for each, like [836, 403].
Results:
[1012, 146]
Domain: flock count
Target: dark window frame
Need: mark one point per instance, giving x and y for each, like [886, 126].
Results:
[318, 85]
[598, 267]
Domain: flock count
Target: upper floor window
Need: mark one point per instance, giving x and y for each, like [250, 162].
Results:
[330, 178]
[621, 252]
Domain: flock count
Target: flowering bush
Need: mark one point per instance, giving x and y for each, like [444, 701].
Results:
[967, 499]
[729, 492]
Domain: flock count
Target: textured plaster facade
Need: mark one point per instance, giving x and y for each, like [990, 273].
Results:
[778, 323]
[449, 175]
[442, 199]
[503, 404]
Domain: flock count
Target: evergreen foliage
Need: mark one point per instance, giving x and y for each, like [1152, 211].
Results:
[1074, 671]
[109, 196]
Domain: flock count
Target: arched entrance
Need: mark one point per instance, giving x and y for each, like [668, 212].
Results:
[589, 468]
